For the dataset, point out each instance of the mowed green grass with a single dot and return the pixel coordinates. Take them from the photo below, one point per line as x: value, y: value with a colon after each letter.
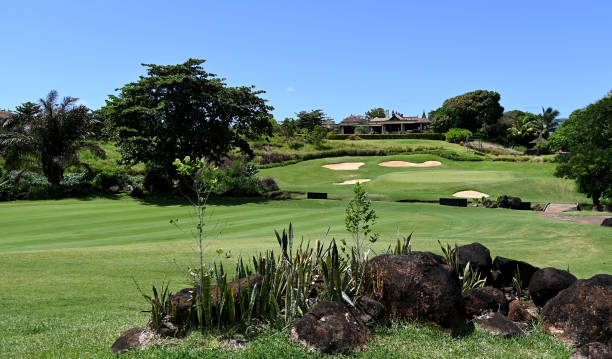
x: 67, y: 266
x: 531, y: 181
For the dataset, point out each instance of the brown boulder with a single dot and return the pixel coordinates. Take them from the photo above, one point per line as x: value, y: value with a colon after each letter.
x: 331, y: 327
x: 497, y: 323
x: 522, y: 311
x: 581, y: 313
x: 547, y: 282
x: 132, y: 338
x: 419, y: 286
x: 478, y: 301
x: 594, y: 350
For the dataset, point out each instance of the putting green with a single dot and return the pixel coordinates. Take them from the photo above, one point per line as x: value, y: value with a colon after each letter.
x: 532, y: 181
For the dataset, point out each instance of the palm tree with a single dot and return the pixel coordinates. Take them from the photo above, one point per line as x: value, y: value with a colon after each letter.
x: 48, y: 136
x: 548, y: 121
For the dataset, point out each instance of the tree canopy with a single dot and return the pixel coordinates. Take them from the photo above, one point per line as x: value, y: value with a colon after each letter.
x: 587, y: 135
x: 375, y: 112
x: 48, y: 136
x: 308, y: 120
x: 473, y: 111
x: 178, y: 110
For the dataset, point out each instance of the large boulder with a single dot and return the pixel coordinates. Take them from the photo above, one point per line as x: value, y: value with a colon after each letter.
x: 131, y: 339
x: 594, y: 350
x: 581, y: 313
x: 507, y: 269
x: 522, y: 311
x: 331, y: 327
x: 478, y: 256
x: 607, y: 222
x: 419, y: 286
x: 482, y: 300
x: 547, y: 282
x: 497, y: 323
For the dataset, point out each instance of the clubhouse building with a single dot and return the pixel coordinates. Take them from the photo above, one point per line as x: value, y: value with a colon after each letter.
x: 394, y: 124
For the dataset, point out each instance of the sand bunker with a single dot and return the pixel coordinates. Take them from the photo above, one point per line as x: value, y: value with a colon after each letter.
x: 345, y: 166
x: 364, y: 180
x: 470, y: 194
x: 410, y: 164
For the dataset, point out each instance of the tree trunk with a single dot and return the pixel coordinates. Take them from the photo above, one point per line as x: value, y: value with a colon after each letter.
x: 595, y: 195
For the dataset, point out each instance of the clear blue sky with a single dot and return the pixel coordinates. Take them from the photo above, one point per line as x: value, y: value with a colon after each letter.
x: 344, y: 57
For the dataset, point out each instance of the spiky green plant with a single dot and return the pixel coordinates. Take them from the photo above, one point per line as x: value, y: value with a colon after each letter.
x: 451, y: 255
x: 470, y: 278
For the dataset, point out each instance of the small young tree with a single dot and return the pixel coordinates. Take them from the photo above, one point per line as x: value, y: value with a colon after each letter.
x: 201, y: 178
x: 360, y: 218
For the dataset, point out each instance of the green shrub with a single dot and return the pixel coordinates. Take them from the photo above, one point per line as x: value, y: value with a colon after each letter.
x: 417, y: 136
x: 456, y: 135
x: 296, y: 145
x: 108, y: 178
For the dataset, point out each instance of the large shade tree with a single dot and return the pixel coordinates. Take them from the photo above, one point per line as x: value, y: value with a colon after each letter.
x: 587, y: 135
x: 308, y: 120
x: 179, y: 110
x: 48, y: 136
x: 473, y: 111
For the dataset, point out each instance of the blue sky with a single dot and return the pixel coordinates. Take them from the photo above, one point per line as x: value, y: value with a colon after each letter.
x: 344, y: 57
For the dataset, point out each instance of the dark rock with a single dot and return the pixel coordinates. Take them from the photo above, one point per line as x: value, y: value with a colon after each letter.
x: 478, y: 256
x: 331, y: 327
x: 489, y: 204
x: 482, y: 300
x: 507, y: 268
x: 522, y: 311
x: 113, y: 189
x: 132, y: 338
x: 547, y: 282
x: 419, y: 286
x: 373, y: 311
x: 509, y: 202
x: 607, y: 222
x: 594, y: 350
x: 581, y: 313
x: 497, y: 323
x: 137, y: 193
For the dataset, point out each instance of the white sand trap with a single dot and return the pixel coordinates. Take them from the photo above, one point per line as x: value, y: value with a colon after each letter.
x: 364, y: 180
x: 470, y: 194
x: 410, y: 164
x: 345, y: 166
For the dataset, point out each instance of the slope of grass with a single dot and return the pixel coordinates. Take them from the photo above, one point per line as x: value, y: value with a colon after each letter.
x: 531, y: 181
x: 67, y: 267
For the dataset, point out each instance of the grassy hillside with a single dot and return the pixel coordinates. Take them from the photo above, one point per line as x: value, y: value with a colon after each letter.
x: 67, y: 267
x: 531, y: 181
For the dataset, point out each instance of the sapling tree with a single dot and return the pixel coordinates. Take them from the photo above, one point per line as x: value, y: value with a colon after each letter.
x: 200, y: 177
x: 360, y: 218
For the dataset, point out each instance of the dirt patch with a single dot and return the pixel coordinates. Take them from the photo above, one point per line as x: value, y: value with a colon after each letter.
x: 470, y: 194
x: 410, y: 164
x: 345, y: 166
x: 361, y: 180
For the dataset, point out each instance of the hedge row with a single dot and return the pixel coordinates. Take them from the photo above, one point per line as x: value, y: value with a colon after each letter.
x: 414, y: 136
